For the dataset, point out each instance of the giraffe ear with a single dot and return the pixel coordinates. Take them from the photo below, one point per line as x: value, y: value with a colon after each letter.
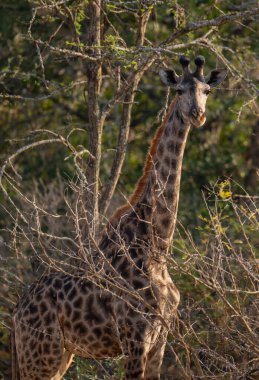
x: 216, y: 77
x: 168, y: 77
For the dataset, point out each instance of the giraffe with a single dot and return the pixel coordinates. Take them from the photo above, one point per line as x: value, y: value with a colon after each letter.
x: 125, y: 308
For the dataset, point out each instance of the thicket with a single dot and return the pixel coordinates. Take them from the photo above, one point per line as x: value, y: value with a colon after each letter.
x: 70, y: 92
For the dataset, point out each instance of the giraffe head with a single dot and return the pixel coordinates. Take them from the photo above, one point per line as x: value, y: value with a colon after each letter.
x: 192, y: 88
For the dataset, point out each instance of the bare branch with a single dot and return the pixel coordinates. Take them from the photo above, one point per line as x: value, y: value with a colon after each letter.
x: 216, y: 22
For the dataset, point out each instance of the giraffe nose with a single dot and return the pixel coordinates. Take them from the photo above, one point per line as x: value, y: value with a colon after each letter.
x: 196, y: 112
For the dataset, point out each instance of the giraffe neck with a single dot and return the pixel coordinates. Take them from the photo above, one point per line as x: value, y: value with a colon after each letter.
x: 161, y: 194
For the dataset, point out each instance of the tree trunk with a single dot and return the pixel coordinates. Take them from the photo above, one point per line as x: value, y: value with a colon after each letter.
x: 94, y: 127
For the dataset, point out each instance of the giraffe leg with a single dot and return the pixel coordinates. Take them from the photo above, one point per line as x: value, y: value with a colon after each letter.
x: 135, y: 363
x: 41, y: 355
x: 45, y: 367
x: 65, y: 364
x: 155, y: 359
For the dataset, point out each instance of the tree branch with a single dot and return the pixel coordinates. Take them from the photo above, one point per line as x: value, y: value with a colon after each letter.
x: 216, y: 22
x: 128, y: 101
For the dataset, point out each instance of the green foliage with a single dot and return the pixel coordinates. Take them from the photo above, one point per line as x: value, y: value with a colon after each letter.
x: 219, y: 151
x: 80, y: 17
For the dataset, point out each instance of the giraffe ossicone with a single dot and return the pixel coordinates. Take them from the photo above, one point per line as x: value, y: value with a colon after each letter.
x: 130, y: 308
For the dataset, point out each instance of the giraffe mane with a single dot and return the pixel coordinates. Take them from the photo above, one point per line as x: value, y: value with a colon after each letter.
x: 140, y: 186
